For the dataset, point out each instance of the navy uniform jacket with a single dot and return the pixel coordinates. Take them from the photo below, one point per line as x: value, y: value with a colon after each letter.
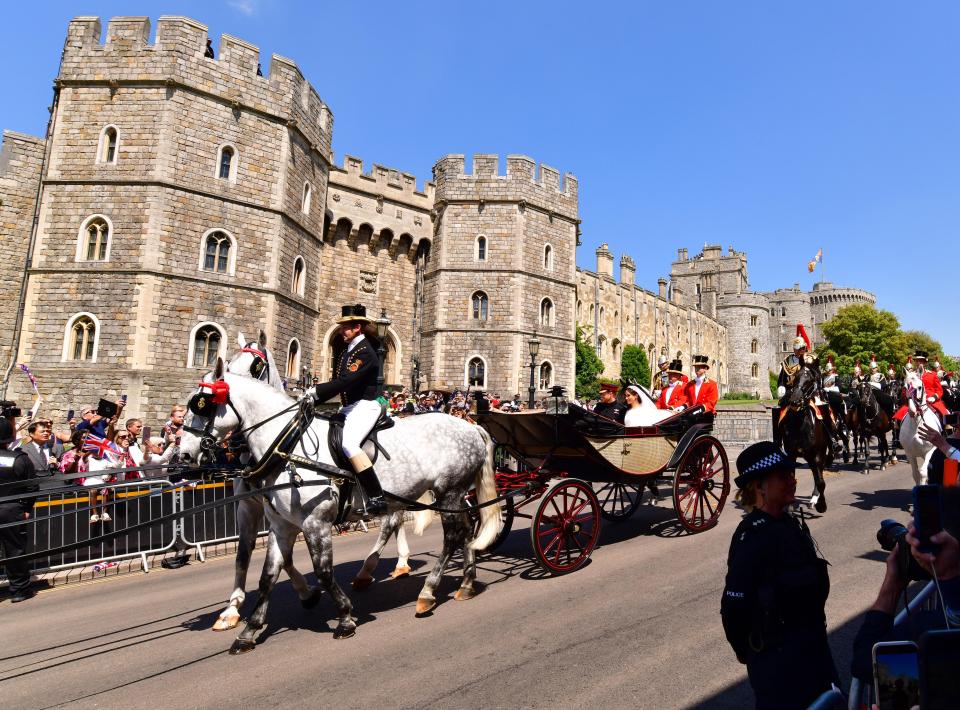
x: 615, y: 411
x: 355, y: 376
x: 16, y: 466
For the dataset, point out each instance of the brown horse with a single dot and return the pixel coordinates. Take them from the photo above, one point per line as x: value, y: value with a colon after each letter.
x: 804, y: 434
x: 875, y: 421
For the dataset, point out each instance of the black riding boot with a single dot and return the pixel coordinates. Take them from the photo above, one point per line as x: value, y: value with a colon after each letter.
x: 834, y: 435
x: 376, y: 505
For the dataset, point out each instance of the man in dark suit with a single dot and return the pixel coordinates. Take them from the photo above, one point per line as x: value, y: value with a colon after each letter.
x: 355, y: 380
x: 40, y: 450
x: 15, y: 466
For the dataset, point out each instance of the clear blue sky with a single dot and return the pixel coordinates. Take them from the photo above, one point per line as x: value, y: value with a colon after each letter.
x: 774, y: 127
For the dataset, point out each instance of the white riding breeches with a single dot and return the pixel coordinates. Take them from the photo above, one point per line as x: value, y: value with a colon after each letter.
x: 361, y: 417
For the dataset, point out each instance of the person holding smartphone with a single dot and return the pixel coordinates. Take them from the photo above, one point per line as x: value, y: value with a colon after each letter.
x: 776, y: 587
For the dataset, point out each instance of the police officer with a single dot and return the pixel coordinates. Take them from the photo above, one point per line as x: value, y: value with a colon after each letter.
x: 355, y: 380
x: 776, y: 587
x: 609, y: 406
x: 15, y: 466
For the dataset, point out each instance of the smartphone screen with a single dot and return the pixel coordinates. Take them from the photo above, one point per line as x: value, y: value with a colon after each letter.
x: 70, y: 415
x: 926, y: 515
x: 939, y: 659
x: 145, y: 437
x: 896, y: 675
x: 123, y: 398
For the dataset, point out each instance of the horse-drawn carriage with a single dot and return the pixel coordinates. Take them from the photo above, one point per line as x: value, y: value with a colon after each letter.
x: 578, y: 467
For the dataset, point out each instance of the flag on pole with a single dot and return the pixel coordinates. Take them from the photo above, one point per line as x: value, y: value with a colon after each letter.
x: 816, y: 260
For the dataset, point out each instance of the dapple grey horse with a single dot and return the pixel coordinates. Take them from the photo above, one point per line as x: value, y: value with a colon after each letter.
x: 256, y: 360
x: 432, y: 452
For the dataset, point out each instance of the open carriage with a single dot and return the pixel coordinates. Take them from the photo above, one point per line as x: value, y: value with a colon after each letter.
x: 602, y: 469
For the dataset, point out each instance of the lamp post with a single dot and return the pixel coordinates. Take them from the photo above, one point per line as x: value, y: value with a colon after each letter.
x: 383, y: 325
x: 534, y: 345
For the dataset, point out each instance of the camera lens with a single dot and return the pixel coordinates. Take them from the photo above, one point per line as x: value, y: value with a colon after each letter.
x: 890, y: 533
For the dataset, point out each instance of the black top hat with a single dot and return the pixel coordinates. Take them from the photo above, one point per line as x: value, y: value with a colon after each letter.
x: 356, y: 313
x: 759, y: 459
x: 701, y: 361
x: 920, y: 355
x: 676, y: 366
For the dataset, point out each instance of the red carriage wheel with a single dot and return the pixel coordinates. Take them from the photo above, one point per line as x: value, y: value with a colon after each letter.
x: 619, y: 500
x: 701, y: 484
x: 565, y: 526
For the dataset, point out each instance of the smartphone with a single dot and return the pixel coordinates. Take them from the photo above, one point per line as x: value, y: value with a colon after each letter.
x: 939, y: 680
x: 145, y: 437
x: 123, y: 398
x: 896, y: 675
x: 70, y: 414
x: 927, y: 515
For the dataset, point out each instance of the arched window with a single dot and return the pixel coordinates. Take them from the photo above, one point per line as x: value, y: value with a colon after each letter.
x: 107, y: 149
x: 206, y: 345
x: 591, y: 314
x: 93, y: 242
x: 579, y: 310
x: 773, y: 311
x: 548, y: 257
x: 293, y: 360
x: 546, y: 312
x: 754, y: 346
x: 546, y: 375
x: 305, y: 202
x: 754, y: 370
x: 81, y: 338
x: 478, y: 304
x: 299, y: 276
x: 476, y: 374
x: 754, y: 320
x: 616, y: 351
x: 783, y: 311
x: 480, y: 252
x: 602, y: 347
x: 218, y: 253
x: 227, y: 162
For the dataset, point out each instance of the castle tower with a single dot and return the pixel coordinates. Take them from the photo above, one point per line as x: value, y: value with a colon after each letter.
x: 182, y: 201
x: 502, y: 269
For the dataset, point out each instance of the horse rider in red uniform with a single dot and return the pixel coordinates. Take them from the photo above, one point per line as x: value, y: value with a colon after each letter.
x: 355, y: 380
x: 674, y: 394
x: 701, y: 390
x: 932, y: 388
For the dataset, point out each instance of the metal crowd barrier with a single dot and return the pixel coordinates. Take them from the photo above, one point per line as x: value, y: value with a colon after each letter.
x: 211, y: 526
x: 64, y: 518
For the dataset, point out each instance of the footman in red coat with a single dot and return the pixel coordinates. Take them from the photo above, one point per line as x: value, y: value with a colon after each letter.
x: 674, y: 395
x: 702, y: 390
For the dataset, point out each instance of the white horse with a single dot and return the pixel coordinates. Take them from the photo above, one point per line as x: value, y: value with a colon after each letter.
x: 432, y: 452
x: 256, y: 360
x: 918, y: 410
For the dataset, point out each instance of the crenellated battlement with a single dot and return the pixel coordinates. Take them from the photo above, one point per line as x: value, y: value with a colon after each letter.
x: 522, y: 182
x: 176, y: 59
x: 389, y: 183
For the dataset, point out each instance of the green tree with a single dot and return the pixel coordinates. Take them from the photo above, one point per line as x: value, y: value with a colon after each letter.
x: 635, y: 366
x: 589, y: 366
x: 860, y: 330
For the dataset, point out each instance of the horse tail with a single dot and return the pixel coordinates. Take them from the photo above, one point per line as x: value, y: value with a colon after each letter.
x: 423, y: 518
x: 486, y: 486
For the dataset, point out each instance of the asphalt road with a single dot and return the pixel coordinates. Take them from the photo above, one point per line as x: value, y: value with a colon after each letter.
x: 638, y: 627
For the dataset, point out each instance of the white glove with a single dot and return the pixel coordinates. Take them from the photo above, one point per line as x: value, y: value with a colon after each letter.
x: 781, y: 390
x: 931, y: 399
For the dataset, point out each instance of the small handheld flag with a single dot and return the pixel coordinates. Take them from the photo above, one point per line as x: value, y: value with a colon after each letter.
x: 100, y: 448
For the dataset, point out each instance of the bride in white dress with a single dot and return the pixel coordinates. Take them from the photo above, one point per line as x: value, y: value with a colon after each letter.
x: 642, y: 409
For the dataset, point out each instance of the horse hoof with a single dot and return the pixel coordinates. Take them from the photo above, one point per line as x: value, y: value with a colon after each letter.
x: 344, y: 630
x: 311, y: 601
x: 400, y: 572
x: 464, y: 593
x: 242, y: 646
x: 361, y: 583
x: 821, y: 505
x: 225, y: 623
x: 425, y: 606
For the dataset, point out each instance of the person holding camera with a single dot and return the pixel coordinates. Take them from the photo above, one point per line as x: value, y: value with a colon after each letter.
x: 776, y: 587
x: 16, y: 472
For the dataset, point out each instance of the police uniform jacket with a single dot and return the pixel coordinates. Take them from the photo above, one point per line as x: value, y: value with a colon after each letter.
x: 615, y: 411
x: 355, y: 376
x: 15, y: 466
x: 776, y: 585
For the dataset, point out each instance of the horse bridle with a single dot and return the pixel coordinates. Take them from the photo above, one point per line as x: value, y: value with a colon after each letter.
x: 201, y: 404
x: 258, y: 368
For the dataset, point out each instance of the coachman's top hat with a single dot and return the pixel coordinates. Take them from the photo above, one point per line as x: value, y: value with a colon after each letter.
x: 356, y: 313
x: 920, y: 355
x: 701, y: 361
x: 676, y: 367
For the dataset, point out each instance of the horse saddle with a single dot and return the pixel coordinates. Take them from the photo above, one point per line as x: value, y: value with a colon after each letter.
x: 371, y: 445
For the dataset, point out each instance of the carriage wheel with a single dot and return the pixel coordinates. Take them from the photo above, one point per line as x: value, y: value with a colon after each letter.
x: 701, y: 485
x: 506, y: 521
x: 619, y: 500
x: 565, y: 526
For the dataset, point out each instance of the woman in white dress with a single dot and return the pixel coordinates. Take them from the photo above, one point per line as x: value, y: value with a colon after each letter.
x: 642, y: 411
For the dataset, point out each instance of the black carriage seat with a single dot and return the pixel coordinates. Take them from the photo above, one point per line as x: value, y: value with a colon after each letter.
x: 335, y: 437
x: 592, y: 424
x: 681, y: 421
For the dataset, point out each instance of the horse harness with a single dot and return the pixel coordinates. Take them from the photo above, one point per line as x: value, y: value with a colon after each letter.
x: 258, y: 368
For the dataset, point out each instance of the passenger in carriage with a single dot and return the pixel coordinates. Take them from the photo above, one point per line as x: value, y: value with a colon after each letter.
x: 701, y: 390
x: 608, y: 406
x: 674, y: 396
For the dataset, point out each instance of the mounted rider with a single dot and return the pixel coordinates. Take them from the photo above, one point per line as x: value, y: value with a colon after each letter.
x: 858, y: 375
x: 831, y: 388
x: 876, y: 381
x: 790, y: 369
x: 931, y: 386
x: 355, y: 380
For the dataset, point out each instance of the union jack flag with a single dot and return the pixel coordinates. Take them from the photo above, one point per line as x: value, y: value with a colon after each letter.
x: 101, y: 447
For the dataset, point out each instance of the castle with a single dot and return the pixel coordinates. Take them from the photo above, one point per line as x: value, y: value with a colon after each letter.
x: 178, y: 199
